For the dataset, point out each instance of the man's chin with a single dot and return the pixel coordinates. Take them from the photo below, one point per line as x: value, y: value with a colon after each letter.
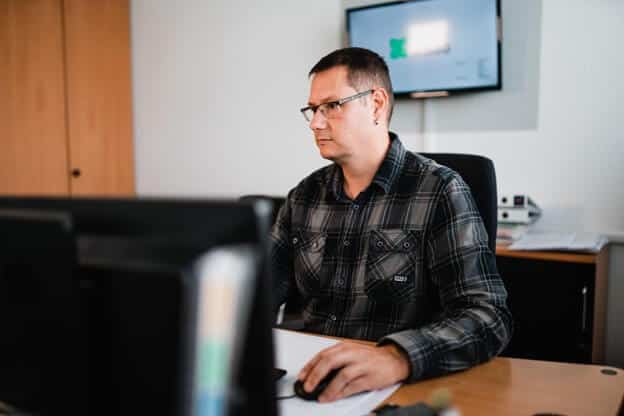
x: 327, y: 155
x: 331, y: 157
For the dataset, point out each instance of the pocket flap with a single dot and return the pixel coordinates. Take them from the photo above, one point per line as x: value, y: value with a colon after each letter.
x: 309, y: 241
x: 394, y: 240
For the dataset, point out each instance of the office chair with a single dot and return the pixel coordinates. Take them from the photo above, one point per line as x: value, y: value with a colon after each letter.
x: 477, y: 171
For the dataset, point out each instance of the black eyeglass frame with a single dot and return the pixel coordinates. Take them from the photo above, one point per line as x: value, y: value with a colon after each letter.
x: 336, y: 103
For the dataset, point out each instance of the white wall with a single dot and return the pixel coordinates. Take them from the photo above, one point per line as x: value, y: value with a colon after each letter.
x: 217, y: 88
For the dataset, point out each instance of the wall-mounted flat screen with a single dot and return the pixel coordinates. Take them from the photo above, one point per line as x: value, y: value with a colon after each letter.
x: 433, y: 45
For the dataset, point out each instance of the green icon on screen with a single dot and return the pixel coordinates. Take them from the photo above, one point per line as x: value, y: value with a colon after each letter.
x: 397, y: 48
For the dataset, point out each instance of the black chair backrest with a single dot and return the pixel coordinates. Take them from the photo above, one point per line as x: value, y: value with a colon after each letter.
x: 479, y: 173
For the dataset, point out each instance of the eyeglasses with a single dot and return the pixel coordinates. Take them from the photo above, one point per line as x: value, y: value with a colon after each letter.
x: 332, y: 108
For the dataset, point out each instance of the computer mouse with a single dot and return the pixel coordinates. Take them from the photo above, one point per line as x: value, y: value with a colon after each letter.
x: 320, y: 387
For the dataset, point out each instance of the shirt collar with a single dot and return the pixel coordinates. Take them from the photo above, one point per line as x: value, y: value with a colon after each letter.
x: 390, y: 168
x: 386, y: 175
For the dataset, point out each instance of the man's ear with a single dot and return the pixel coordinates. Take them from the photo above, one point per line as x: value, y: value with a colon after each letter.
x: 381, y: 102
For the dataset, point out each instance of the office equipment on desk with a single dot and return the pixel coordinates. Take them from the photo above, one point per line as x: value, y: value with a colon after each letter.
x: 440, y: 405
x: 278, y: 373
x: 293, y: 350
x: 135, y: 272
x: 301, y: 392
x: 517, y: 209
x: 516, y: 201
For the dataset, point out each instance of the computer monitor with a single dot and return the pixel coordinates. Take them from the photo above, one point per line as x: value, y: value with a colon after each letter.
x: 40, y: 344
x: 138, y: 274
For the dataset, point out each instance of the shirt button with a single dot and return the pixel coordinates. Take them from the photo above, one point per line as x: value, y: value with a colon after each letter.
x: 295, y: 240
x: 332, y: 317
x: 341, y: 282
x: 355, y: 206
x: 347, y: 243
x: 379, y: 243
x: 406, y: 245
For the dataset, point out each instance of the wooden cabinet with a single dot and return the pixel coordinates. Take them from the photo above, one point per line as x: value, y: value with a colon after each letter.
x: 65, y: 98
x: 558, y: 301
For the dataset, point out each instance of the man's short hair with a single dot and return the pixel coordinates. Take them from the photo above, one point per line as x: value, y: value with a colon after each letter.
x: 365, y: 69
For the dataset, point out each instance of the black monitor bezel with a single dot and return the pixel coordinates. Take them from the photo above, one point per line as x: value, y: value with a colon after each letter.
x: 46, y: 352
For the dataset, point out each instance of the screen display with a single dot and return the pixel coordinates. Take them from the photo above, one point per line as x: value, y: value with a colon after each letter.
x: 432, y: 45
x: 225, y: 280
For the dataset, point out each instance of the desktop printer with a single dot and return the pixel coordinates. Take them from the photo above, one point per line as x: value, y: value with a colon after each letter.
x: 517, y: 209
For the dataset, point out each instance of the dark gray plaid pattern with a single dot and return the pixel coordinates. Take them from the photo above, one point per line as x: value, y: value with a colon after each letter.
x: 406, y: 262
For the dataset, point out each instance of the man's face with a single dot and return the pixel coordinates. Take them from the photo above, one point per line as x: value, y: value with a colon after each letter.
x: 343, y: 135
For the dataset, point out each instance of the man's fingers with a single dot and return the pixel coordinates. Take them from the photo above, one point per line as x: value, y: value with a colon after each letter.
x: 309, y: 366
x: 305, y: 371
x: 347, y: 375
x: 330, y: 359
x: 358, y: 385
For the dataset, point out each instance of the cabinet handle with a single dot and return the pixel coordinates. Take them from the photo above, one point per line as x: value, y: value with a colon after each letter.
x: 76, y: 173
x: 584, y: 313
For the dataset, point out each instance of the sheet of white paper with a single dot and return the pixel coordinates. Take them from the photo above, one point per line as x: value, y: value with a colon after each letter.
x: 560, y: 241
x: 293, y: 350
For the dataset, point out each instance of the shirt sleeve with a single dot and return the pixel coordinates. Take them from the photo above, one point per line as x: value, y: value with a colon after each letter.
x: 475, y: 323
x: 280, y: 256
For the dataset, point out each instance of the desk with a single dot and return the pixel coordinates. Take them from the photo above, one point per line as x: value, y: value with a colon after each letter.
x: 514, y: 386
x: 559, y: 303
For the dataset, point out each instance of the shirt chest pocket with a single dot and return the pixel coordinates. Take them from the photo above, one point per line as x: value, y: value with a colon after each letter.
x: 394, y: 265
x: 308, y: 250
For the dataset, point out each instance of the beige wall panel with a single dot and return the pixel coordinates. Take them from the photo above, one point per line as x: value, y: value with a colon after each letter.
x: 97, y: 41
x: 33, y: 149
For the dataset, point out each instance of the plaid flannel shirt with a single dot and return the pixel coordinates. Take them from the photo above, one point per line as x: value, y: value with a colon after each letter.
x: 406, y: 262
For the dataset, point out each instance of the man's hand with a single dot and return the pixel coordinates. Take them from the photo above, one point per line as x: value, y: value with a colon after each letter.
x: 363, y: 368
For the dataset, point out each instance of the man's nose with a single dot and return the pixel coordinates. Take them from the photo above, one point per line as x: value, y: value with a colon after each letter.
x: 318, y: 121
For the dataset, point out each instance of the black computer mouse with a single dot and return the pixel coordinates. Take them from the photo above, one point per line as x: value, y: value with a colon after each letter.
x: 320, y: 387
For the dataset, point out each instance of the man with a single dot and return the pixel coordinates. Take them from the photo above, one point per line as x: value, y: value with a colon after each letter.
x: 383, y: 245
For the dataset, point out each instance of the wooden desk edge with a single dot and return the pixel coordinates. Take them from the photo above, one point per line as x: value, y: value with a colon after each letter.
x: 586, y: 258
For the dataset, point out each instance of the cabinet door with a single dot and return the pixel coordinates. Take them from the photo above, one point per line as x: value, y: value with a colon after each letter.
x: 552, y: 306
x: 97, y: 42
x: 33, y: 139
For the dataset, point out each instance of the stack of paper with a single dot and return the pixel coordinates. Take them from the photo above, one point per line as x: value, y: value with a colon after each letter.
x: 508, y: 233
x: 589, y: 242
x: 294, y: 350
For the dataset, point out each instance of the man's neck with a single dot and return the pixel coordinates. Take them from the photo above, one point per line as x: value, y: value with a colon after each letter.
x: 359, y: 172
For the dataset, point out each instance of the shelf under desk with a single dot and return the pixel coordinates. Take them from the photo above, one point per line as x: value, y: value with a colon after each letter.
x: 577, y: 285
